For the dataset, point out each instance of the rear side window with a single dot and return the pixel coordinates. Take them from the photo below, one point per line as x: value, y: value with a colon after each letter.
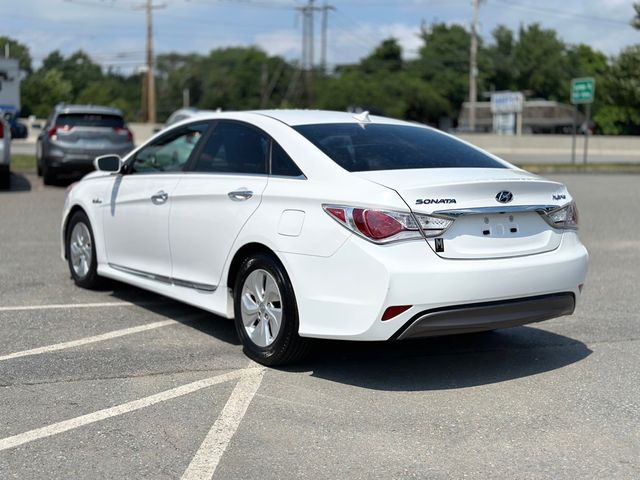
x: 234, y: 148
x: 362, y: 148
x: 281, y: 163
x: 90, y: 120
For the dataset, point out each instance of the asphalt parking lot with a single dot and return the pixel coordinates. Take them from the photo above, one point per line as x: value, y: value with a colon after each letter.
x: 121, y: 383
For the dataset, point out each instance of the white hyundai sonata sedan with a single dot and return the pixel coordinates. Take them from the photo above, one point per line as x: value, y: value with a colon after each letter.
x: 314, y: 224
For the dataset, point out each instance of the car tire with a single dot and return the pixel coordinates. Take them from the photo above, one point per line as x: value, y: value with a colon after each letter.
x: 5, y: 177
x: 39, y: 159
x: 49, y: 176
x: 263, y: 290
x: 80, y: 251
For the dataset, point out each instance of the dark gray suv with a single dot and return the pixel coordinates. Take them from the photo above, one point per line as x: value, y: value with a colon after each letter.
x: 75, y: 135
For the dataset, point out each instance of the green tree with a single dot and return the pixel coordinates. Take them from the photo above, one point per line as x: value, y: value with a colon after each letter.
x: 398, y: 95
x: 114, y: 91
x: 584, y: 61
x: 43, y: 90
x: 501, y: 59
x: 620, y: 92
x: 540, y: 63
x: 387, y: 57
x: 229, y: 78
x: 17, y: 50
x: 444, y: 62
x: 636, y: 18
x: 77, y: 68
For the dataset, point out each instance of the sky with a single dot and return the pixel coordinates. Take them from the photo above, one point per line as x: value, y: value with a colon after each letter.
x: 113, y: 31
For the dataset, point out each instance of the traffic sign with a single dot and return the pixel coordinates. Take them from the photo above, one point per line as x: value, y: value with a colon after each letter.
x: 507, y: 102
x: 583, y: 90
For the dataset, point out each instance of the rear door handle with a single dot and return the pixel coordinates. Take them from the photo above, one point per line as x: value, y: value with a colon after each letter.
x: 240, y: 195
x: 160, y: 197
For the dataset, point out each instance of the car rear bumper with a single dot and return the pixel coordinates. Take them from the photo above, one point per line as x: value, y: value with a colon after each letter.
x: 79, y: 160
x: 487, y: 316
x: 345, y: 296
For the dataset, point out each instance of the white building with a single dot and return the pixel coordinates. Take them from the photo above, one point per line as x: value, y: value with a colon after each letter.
x: 10, y: 78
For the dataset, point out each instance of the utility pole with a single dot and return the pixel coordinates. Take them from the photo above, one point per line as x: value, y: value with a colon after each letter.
x: 151, y: 84
x: 325, y: 24
x: 308, y: 42
x: 307, y: 48
x: 149, y: 90
x: 311, y: 40
x: 310, y: 60
x: 473, y: 66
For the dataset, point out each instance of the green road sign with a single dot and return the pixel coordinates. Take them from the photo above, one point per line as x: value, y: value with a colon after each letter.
x: 583, y: 90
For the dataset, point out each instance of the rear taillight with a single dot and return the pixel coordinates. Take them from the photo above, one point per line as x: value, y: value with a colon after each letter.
x: 53, y: 131
x: 1, y: 129
x: 124, y: 131
x: 565, y: 217
x: 385, y: 226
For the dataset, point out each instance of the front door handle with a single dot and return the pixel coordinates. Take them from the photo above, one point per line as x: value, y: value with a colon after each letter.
x: 160, y: 197
x: 240, y: 195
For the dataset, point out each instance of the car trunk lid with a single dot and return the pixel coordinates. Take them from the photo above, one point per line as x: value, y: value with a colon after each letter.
x: 91, y: 131
x: 484, y: 227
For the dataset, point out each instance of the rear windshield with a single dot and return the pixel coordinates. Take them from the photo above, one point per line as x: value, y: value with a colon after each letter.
x: 362, y: 148
x: 90, y: 120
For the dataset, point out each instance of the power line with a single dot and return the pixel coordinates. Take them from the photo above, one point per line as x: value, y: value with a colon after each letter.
x: 553, y: 11
x: 247, y: 3
x: 111, y: 6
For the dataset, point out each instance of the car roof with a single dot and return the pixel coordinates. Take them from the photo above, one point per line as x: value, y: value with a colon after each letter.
x: 97, y: 109
x: 313, y: 117
x: 295, y: 118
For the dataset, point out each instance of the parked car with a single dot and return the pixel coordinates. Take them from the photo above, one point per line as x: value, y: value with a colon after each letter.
x: 5, y: 153
x: 311, y: 224
x: 75, y: 135
x: 18, y: 129
x: 180, y: 115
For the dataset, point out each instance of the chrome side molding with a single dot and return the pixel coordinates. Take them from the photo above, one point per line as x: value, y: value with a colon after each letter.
x: 164, y: 279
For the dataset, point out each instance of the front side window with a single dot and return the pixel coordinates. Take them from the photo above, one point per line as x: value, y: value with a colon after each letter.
x: 171, y: 152
x: 362, y: 148
x: 234, y: 147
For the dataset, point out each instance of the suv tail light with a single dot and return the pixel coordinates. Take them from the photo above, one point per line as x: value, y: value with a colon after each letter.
x: 53, y: 131
x: 565, y: 217
x: 1, y: 129
x: 385, y: 226
x: 124, y: 131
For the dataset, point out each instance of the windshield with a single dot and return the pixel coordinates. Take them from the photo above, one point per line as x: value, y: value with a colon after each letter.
x: 90, y: 120
x: 361, y: 148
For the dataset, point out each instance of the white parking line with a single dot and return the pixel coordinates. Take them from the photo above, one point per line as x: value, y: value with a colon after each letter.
x: 204, y: 463
x: 84, y: 341
x: 66, y: 425
x: 19, y: 308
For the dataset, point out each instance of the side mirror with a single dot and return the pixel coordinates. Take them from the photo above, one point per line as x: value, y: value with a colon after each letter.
x: 108, y: 163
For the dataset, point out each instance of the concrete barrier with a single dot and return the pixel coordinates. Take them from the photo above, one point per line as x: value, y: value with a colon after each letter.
x: 143, y: 131
x: 518, y: 149
x: 553, y: 145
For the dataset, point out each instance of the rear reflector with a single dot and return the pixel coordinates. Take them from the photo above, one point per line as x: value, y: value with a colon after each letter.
x: 394, y: 311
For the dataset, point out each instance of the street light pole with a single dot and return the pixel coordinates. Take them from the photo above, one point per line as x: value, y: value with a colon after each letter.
x: 151, y: 84
x: 473, y: 66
